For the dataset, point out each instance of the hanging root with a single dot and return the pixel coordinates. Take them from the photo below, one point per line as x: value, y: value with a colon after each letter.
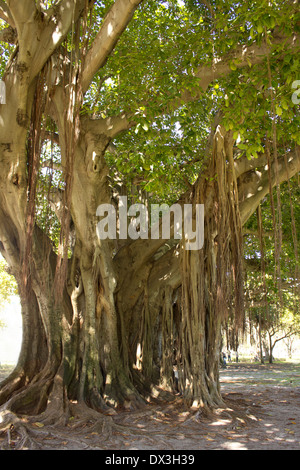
x: 212, y: 278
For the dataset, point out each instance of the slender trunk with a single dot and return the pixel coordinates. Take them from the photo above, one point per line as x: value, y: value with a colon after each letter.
x: 271, y: 347
x: 260, y: 340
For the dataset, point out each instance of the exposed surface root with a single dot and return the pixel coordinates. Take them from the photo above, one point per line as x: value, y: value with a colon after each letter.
x: 250, y: 411
x: 17, y: 433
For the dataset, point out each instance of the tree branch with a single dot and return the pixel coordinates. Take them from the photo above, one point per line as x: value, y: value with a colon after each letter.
x: 22, y: 11
x: 243, y: 165
x: 209, y: 7
x: 111, y: 29
x: 54, y: 30
x: 6, y: 15
x: 221, y: 67
x: 255, y: 189
x: 110, y: 126
x: 206, y: 74
x: 140, y: 251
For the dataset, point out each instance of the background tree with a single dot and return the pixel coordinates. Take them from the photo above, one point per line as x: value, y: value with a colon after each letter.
x: 272, y: 302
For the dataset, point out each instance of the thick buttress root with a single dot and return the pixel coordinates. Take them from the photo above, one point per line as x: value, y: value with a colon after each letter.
x: 31, y: 433
x: 15, y: 433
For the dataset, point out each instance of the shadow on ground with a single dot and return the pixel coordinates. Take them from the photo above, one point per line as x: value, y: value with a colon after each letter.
x: 262, y: 413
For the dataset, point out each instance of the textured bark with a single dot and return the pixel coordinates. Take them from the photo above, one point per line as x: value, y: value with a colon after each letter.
x: 114, y: 306
x: 127, y: 313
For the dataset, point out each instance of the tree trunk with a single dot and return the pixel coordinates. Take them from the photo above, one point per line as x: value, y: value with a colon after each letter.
x: 271, y: 348
x: 260, y: 340
x: 109, y: 307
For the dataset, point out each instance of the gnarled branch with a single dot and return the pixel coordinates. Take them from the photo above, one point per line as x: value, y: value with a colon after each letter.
x: 256, y: 187
x: 22, y: 11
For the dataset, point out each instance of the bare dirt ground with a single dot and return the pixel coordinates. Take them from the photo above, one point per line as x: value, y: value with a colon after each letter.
x: 262, y: 413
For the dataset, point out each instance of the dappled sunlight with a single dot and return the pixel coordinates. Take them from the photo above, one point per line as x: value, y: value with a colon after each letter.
x: 266, y: 419
x: 258, y: 374
x: 233, y: 446
x: 165, y: 277
x: 56, y: 36
x: 110, y: 29
x: 221, y: 422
